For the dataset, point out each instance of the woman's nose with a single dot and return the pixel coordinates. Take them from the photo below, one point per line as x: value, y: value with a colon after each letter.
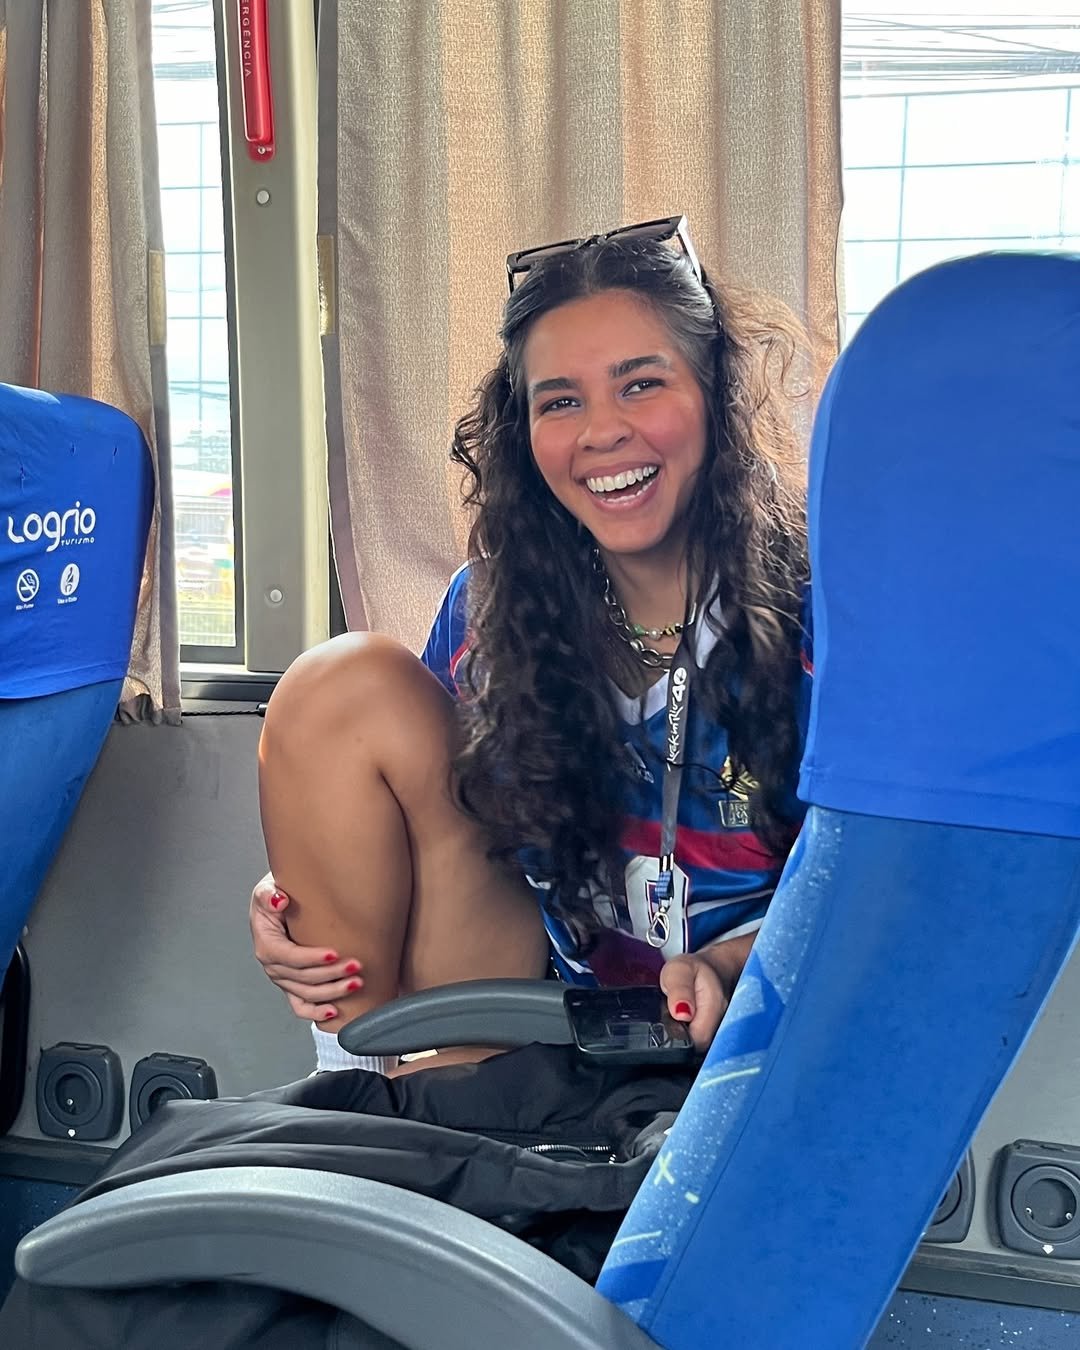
x: 605, y: 427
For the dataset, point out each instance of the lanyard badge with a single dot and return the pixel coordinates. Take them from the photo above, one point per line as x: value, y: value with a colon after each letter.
x: 678, y: 710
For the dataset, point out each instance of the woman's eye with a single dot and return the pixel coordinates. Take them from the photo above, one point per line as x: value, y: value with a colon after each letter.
x: 642, y: 385
x: 555, y: 405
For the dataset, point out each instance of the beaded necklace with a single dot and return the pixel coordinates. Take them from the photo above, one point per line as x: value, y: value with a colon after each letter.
x: 633, y: 634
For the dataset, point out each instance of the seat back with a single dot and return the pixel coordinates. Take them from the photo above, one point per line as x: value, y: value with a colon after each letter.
x: 76, y: 495
x: 934, y: 894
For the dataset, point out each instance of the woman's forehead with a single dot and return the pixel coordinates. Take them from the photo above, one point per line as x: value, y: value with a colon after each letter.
x: 602, y: 329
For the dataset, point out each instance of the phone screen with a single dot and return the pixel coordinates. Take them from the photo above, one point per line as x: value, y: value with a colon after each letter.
x: 630, y: 1025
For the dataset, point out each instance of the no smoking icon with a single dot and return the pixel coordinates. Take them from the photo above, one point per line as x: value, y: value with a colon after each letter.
x: 27, y: 585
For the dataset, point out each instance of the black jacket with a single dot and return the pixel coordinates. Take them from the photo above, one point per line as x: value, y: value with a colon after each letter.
x: 537, y: 1141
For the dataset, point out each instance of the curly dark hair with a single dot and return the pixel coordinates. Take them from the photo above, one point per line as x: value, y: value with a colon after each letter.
x: 540, y: 760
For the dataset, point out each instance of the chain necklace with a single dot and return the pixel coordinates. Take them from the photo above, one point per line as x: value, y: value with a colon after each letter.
x: 633, y: 633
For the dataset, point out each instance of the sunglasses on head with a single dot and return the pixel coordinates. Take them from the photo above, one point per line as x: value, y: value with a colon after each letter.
x: 672, y: 227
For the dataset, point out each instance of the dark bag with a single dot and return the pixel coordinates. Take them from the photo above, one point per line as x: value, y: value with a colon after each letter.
x: 537, y: 1141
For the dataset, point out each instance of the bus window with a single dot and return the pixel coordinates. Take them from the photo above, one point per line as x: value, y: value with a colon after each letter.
x: 959, y: 136
x: 200, y: 403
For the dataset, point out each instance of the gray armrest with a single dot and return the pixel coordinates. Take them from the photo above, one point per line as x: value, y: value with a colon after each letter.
x: 422, y: 1273
x: 476, y: 1012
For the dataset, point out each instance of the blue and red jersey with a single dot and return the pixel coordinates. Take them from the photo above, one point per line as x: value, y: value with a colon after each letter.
x: 724, y: 875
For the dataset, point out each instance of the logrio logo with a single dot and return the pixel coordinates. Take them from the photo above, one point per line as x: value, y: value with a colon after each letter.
x: 68, y: 527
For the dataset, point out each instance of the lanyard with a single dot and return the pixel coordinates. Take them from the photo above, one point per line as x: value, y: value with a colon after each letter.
x: 678, y: 710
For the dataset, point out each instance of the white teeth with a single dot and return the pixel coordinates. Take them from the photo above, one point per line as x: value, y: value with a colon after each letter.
x: 622, y: 480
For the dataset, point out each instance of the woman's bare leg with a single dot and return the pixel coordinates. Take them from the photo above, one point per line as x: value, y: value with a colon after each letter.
x: 363, y: 835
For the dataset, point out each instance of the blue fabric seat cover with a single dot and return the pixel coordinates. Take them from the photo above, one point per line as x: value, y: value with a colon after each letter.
x: 76, y: 493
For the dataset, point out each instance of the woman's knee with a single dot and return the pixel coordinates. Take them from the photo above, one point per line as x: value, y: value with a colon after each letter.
x: 359, y: 688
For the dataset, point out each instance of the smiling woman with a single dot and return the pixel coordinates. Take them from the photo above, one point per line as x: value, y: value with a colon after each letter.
x: 639, y: 531
x: 622, y: 448
x: 719, y: 534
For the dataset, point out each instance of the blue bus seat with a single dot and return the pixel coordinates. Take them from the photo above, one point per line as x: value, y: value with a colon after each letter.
x: 934, y: 894
x: 76, y: 495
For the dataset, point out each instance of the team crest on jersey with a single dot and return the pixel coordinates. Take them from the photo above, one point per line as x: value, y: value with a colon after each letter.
x: 735, y: 804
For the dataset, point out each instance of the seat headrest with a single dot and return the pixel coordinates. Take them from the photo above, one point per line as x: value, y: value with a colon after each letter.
x: 76, y: 492
x: 944, y: 509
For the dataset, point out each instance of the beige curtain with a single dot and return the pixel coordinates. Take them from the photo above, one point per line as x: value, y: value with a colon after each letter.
x: 454, y: 131
x: 81, y: 284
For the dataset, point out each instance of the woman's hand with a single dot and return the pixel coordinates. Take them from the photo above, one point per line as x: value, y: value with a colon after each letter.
x: 311, y: 978
x: 699, y: 986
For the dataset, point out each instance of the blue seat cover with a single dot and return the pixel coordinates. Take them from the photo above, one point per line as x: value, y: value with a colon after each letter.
x: 74, y: 506
x: 76, y: 493
x: 945, y: 490
x: 934, y: 893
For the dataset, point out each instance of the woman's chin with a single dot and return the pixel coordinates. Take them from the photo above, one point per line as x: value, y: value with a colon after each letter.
x: 629, y: 543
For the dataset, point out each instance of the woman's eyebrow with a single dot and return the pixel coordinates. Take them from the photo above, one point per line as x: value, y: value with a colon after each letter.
x: 617, y: 372
x: 543, y: 386
x: 623, y: 368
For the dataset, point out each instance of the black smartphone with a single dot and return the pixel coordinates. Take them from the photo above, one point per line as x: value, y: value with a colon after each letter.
x: 627, y: 1026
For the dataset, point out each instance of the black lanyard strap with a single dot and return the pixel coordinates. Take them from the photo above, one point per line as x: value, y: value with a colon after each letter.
x: 680, y: 676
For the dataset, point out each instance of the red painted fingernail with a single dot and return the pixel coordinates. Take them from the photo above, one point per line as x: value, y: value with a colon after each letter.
x: 330, y: 1012
x: 683, y: 1009
x: 353, y: 986
x: 277, y: 900
x: 353, y: 968
x: 329, y: 957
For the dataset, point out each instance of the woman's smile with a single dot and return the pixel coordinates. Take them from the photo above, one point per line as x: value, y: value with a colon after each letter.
x: 623, y: 489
